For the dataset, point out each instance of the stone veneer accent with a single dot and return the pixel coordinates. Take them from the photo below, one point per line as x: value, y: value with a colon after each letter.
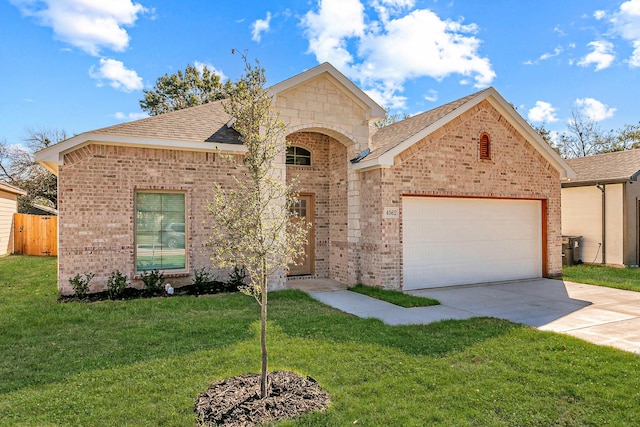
x: 326, y: 178
x: 446, y: 163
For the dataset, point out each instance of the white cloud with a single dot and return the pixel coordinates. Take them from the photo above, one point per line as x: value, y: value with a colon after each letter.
x: 130, y: 116
x: 431, y: 96
x: 626, y: 23
x: 387, y: 8
x: 602, y: 55
x: 599, y: 14
x: 260, y: 26
x: 118, y: 75
x: 200, y: 67
x: 397, y: 46
x: 634, y: 61
x: 329, y: 29
x: 557, y: 51
x: 547, y: 55
x: 594, y: 109
x: 543, y: 112
x: 90, y: 25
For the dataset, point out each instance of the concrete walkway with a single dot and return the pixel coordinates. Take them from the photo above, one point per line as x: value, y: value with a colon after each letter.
x: 596, y: 314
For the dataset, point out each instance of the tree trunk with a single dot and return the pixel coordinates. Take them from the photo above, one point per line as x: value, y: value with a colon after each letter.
x: 263, y: 333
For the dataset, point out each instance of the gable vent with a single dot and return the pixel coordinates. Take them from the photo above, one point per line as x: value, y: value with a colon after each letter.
x: 485, y: 146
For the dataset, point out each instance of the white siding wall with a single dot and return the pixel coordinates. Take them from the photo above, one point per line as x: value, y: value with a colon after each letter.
x: 615, y: 224
x: 582, y: 216
x: 8, y: 206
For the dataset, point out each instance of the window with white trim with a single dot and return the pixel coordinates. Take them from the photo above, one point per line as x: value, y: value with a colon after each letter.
x: 160, y: 231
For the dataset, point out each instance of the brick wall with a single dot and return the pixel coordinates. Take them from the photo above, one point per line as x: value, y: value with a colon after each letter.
x: 447, y: 163
x: 97, y: 184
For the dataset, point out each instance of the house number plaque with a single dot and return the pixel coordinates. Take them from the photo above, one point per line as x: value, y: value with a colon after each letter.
x: 391, y: 213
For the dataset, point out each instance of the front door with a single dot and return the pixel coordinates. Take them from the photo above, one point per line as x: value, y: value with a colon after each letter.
x: 304, y: 264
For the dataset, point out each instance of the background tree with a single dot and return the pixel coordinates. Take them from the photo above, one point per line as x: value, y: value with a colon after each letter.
x: 252, y: 220
x: 184, y: 89
x: 18, y: 168
x: 390, y: 119
x: 627, y: 138
x: 583, y: 137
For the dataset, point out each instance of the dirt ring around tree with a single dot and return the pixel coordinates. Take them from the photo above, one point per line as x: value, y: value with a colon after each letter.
x: 236, y: 401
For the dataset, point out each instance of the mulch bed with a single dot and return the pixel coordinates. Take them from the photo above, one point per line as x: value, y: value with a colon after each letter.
x: 236, y: 401
x: 135, y: 293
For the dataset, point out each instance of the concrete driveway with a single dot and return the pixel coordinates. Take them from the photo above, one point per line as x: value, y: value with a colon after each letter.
x: 596, y: 314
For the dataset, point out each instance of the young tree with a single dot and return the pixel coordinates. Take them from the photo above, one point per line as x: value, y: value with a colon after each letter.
x: 18, y: 168
x: 252, y: 223
x: 184, y: 89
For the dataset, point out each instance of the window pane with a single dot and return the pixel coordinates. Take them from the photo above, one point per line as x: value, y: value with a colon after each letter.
x: 298, y: 156
x: 160, y: 231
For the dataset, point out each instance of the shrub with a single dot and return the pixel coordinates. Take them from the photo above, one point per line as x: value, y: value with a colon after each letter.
x: 201, y: 280
x: 116, y: 284
x: 153, y: 281
x: 236, y: 279
x: 80, y: 284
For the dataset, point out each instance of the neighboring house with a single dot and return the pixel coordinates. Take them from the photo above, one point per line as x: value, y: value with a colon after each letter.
x: 603, y: 206
x: 37, y: 209
x: 8, y: 207
x: 465, y: 193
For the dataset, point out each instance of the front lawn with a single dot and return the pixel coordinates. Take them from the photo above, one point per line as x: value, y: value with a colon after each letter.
x: 143, y: 362
x: 601, y: 275
x: 394, y: 297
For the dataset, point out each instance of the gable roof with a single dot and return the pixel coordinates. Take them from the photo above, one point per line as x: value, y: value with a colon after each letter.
x: 392, y: 140
x: 374, y: 109
x: 620, y: 166
x: 203, y: 127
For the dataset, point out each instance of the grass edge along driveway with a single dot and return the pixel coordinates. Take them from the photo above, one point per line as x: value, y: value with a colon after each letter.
x: 142, y: 362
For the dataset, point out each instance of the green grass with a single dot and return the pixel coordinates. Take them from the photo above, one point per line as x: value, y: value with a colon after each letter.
x: 394, y: 297
x: 612, y: 277
x: 143, y: 362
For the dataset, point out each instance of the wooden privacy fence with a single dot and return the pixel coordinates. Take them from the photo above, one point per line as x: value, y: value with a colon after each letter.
x: 35, y: 235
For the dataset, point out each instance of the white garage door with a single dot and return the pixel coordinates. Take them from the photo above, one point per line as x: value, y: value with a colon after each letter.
x: 454, y: 241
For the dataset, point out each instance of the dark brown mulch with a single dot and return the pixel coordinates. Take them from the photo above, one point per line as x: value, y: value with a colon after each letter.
x: 135, y: 293
x: 236, y: 401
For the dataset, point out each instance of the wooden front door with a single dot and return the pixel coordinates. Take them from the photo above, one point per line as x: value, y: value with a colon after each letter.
x: 304, y: 265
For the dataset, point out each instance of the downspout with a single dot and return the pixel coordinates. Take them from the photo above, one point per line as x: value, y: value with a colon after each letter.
x: 602, y: 188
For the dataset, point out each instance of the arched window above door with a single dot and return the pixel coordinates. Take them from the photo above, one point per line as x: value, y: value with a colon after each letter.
x: 298, y: 156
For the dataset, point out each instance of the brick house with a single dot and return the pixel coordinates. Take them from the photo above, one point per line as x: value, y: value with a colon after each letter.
x: 465, y: 193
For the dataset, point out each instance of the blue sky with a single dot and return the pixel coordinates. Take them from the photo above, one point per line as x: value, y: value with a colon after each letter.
x: 78, y: 65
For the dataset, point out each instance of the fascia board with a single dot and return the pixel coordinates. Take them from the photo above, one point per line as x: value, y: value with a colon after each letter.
x: 516, y: 120
x: 11, y: 189
x: 386, y: 159
x: 505, y: 109
x: 52, y: 157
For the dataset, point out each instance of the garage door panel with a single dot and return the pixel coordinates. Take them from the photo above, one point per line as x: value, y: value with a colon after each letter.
x: 460, y: 241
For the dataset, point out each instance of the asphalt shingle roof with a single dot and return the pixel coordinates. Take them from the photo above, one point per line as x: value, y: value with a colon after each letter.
x: 621, y: 165
x: 388, y: 137
x: 202, y: 123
